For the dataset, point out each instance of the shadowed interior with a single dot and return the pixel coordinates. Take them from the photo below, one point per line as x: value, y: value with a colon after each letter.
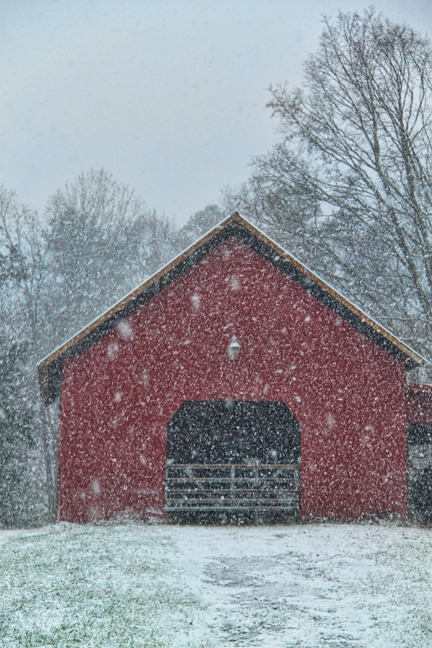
x: 221, y: 432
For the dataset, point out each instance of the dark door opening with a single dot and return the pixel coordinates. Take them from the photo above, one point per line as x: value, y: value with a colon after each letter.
x: 237, y: 457
x: 212, y: 432
x: 420, y: 470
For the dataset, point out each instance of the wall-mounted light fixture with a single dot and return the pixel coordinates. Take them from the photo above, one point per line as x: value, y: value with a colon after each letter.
x: 234, y: 348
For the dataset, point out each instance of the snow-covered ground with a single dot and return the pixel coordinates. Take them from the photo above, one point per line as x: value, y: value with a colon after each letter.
x: 136, y: 585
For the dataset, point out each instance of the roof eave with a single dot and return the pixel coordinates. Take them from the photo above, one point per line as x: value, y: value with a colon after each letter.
x: 120, y: 308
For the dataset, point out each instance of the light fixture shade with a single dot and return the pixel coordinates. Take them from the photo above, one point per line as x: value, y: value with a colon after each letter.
x: 234, y: 348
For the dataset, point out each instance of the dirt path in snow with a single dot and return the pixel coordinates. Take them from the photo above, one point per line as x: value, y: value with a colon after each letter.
x: 343, y: 586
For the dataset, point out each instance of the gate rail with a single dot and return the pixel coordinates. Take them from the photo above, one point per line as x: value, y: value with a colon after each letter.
x: 232, y: 487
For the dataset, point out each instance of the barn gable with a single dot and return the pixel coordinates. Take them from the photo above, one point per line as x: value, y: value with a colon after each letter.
x: 50, y: 368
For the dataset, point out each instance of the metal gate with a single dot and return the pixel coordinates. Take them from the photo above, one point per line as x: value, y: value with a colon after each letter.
x: 237, y: 457
x: 232, y: 488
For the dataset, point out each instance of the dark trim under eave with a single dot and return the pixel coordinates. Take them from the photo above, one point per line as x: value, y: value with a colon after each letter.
x: 51, y: 373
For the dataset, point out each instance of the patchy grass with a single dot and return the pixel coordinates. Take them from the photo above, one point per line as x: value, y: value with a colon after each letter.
x: 297, y: 586
x: 98, y: 586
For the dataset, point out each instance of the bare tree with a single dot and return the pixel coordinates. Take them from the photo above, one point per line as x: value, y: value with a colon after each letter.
x: 21, y: 436
x: 357, y: 138
x: 101, y: 241
x: 198, y: 224
x: 275, y: 199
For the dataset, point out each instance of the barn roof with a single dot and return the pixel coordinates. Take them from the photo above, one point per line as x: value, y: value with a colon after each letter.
x: 416, y: 388
x: 50, y: 368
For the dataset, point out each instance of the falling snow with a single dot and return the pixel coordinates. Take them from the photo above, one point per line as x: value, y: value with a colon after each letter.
x: 308, y: 586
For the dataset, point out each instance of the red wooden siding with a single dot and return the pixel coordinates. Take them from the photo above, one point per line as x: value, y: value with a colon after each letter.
x: 347, y: 393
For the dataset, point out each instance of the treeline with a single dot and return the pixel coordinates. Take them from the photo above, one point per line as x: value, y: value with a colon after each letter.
x: 95, y: 241
x: 347, y: 189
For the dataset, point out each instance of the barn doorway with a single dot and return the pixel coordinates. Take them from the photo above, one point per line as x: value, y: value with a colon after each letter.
x: 235, y: 459
x: 420, y: 470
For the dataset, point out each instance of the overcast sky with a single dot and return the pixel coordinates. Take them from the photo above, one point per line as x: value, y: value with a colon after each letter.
x: 168, y: 95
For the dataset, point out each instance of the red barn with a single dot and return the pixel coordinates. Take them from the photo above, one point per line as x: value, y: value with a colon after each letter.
x: 233, y: 380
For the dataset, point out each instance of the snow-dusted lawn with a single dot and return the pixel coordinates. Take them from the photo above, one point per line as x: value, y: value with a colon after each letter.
x: 156, y: 585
